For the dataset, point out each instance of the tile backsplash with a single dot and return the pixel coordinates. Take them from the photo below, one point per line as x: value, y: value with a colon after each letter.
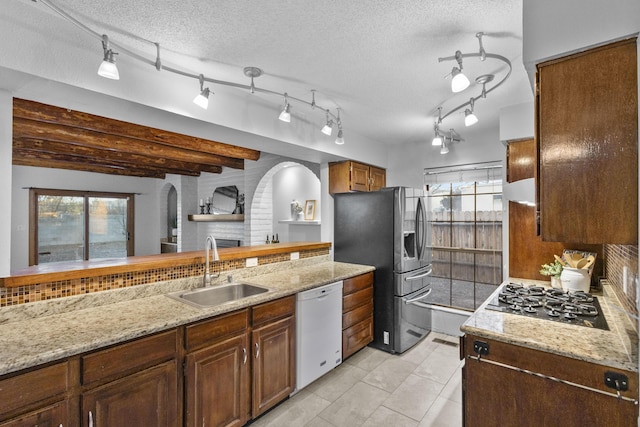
x: 65, y: 288
x: 621, y: 271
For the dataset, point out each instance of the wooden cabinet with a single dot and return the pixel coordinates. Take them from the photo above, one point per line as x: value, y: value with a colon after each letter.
x: 217, y: 371
x: 274, y: 353
x: 240, y: 364
x: 521, y: 159
x: 38, y: 397
x: 357, y: 313
x: 513, y: 385
x: 587, y: 146
x: 145, y: 398
x: 135, y: 383
x: 353, y: 176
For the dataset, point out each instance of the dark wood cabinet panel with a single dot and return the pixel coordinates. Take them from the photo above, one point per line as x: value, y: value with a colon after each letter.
x: 148, y: 398
x: 50, y: 416
x: 357, y: 313
x: 129, y: 357
x: 498, y: 395
x: 587, y: 146
x: 357, y: 336
x: 521, y: 159
x: 353, y: 176
x: 205, y: 333
x: 274, y: 368
x: 217, y: 384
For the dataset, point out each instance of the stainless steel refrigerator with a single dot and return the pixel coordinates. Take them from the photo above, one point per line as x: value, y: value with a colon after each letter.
x: 388, y: 229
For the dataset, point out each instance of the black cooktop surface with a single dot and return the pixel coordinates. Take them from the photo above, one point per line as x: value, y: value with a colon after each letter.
x: 575, y: 308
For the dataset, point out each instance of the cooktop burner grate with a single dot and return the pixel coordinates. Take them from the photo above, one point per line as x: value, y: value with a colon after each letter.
x: 575, y: 308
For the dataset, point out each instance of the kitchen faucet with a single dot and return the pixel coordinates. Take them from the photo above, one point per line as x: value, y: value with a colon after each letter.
x: 210, y: 243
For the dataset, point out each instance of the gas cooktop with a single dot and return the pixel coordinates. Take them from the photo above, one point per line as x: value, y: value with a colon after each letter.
x: 571, y: 307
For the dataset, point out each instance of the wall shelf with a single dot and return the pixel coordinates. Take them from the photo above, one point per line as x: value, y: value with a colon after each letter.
x: 216, y: 218
x: 288, y: 221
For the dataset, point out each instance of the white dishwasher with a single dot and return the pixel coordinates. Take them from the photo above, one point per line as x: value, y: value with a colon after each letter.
x: 318, y: 332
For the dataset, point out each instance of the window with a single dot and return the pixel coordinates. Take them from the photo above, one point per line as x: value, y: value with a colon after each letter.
x: 466, y: 229
x: 67, y: 225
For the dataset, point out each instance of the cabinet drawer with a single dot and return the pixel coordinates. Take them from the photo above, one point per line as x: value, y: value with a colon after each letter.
x: 273, y: 310
x: 357, y: 283
x: 126, y: 358
x: 356, y: 337
x: 23, y: 390
x: 357, y: 315
x: 204, y: 333
x: 351, y: 301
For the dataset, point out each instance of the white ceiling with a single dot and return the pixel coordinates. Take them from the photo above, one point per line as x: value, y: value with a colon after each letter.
x: 376, y: 60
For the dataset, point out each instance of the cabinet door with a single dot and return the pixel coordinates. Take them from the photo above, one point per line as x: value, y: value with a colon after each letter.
x: 147, y: 398
x: 217, y: 384
x: 359, y: 177
x: 588, y: 146
x: 273, y: 364
x: 521, y: 159
x: 378, y: 178
x: 52, y: 416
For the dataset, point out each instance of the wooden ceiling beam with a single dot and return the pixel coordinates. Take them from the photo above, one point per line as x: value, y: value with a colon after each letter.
x: 95, y: 155
x: 92, y: 161
x: 26, y: 128
x: 58, y: 164
x: 56, y: 115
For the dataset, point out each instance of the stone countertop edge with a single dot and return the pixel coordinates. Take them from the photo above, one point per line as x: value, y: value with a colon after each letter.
x: 615, y: 348
x: 44, y: 338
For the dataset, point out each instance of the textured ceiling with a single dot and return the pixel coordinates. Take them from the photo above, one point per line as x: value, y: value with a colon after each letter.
x: 377, y: 60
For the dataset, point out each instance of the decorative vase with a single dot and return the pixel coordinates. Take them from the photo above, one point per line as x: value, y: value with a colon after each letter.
x: 294, y: 212
x: 299, y: 216
x: 556, y: 282
x: 575, y: 279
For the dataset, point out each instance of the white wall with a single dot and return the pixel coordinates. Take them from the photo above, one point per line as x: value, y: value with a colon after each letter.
x: 295, y: 183
x: 6, y: 229
x: 147, y: 217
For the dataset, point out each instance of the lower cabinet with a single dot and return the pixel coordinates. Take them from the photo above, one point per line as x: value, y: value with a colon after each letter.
x: 240, y: 365
x: 146, y: 398
x: 513, y: 385
x: 357, y: 313
x: 274, y: 346
x: 54, y: 415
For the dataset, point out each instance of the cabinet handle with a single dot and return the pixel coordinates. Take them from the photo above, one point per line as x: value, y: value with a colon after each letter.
x: 257, y: 350
x: 90, y: 419
x: 244, y: 353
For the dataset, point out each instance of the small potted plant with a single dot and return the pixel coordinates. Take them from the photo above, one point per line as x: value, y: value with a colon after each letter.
x: 554, y: 270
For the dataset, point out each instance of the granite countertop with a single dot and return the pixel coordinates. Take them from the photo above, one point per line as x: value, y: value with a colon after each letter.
x: 616, y: 348
x: 47, y: 331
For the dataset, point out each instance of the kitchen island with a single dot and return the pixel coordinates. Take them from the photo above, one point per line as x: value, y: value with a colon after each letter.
x: 531, y: 371
x: 133, y: 353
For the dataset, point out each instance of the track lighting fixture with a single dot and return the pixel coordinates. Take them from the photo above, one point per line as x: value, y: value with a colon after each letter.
x: 202, y: 99
x: 458, y: 83
x: 339, y: 138
x: 470, y: 118
x: 108, y: 69
x: 328, y: 127
x: 285, y: 115
x: 108, y: 66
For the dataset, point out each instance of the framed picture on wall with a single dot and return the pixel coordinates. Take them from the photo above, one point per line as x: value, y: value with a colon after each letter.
x: 310, y: 210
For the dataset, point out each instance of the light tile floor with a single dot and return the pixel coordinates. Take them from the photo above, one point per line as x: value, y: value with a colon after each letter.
x: 419, y: 388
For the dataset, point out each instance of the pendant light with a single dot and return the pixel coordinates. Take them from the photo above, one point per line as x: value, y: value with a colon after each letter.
x: 108, y: 68
x: 328, y: 127
x: 470, y: 118
x: 202, y: 99
x: 459, y: 81
x: 285, y: 115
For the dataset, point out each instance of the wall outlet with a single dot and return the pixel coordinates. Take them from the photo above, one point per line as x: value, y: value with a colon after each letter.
x: 295, y: 255
x: 252, y: 262
x: 385, y: 337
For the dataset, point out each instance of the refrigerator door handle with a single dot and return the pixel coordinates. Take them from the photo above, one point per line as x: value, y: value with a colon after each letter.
x: 418, y: 298
x: 420, y: 228
x: 420, y: 276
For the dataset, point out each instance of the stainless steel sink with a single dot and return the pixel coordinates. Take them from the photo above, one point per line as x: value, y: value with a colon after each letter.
x: 216, y: 295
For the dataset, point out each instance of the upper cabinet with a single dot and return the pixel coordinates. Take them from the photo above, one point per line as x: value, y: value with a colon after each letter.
x: 587, y: 146
x: 521, y: 160
x: 353, y: 176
